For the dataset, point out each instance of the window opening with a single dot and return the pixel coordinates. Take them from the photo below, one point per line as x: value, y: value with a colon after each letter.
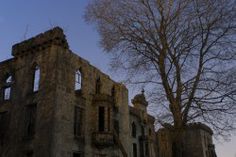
x: 77, y: 154
x: 3, y: 125
x: 116, y: 126
x: 133, y: 130
x: 78, y: 80
x: 142, y: 130
x: 150, y: 132
x: 7, y: 93
x: 109, y: 118
x: 135, y: 150
x: 7, y: 89
x: 9, y: 79
x: 29, y: 154
x: 30, y: 120
x: 147, y: 149
x: 98, y: 86
x: 141, y: 145
x: 113, y: 92
x: 36, y: 79
x: 78, y: 121
x: 101, y: 119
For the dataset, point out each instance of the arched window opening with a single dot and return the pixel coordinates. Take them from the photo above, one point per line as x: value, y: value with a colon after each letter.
x: 7, y: 89
x: 36, y: 78
x: 98, y: 86
x: 78, y: 80
x: 133, y: 130
x: 9, y: 79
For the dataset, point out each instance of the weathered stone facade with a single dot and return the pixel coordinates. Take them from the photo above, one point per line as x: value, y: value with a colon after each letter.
x: 142, y: 130
x: 53, y: 103
x: 196, y: 141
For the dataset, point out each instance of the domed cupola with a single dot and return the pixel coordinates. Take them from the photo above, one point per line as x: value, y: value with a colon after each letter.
x: 139, y: 101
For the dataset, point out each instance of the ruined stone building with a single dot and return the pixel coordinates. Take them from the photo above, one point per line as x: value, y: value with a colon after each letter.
x: 53, y: 103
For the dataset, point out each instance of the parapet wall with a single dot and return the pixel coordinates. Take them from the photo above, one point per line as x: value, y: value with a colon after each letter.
x: 200, y: 126
x: 42, y: 41
x: 191, y: 126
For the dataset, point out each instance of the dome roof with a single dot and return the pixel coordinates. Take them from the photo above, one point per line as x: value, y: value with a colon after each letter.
x: 140, y: 99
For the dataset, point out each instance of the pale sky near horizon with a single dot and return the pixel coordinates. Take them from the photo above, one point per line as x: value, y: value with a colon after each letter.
x: 22, y: 19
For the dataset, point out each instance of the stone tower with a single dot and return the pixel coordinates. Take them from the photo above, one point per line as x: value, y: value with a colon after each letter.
x: 142, y: 128
x: 139, y: 102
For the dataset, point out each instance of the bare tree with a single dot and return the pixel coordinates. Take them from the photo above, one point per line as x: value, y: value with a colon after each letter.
x: 183, y: 50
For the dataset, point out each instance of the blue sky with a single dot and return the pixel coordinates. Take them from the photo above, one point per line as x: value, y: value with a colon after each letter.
x: 22, y: 19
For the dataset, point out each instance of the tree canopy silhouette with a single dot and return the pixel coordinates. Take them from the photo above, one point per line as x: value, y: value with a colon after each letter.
x: 183, y: 50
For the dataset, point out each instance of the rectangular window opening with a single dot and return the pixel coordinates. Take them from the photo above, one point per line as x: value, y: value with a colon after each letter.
x: 7, y: 93
x: 77, y: 154
x: 78, y: 121
x: 116, y: 126
x: 141, y: 147
x: 147, y: 149
x: 101, y: 119
x: 3, y: 125
x: 135, y: 150
x: 30, y: 120
x: 36, y: 79
x: 109, y: 118
x: 29, y: 154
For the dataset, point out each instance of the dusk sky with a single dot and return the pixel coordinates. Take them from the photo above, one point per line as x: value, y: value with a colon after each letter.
x: 22, y: 19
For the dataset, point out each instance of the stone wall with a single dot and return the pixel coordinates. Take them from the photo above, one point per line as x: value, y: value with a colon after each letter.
x: 196, y: 141
x: 21, y: 67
